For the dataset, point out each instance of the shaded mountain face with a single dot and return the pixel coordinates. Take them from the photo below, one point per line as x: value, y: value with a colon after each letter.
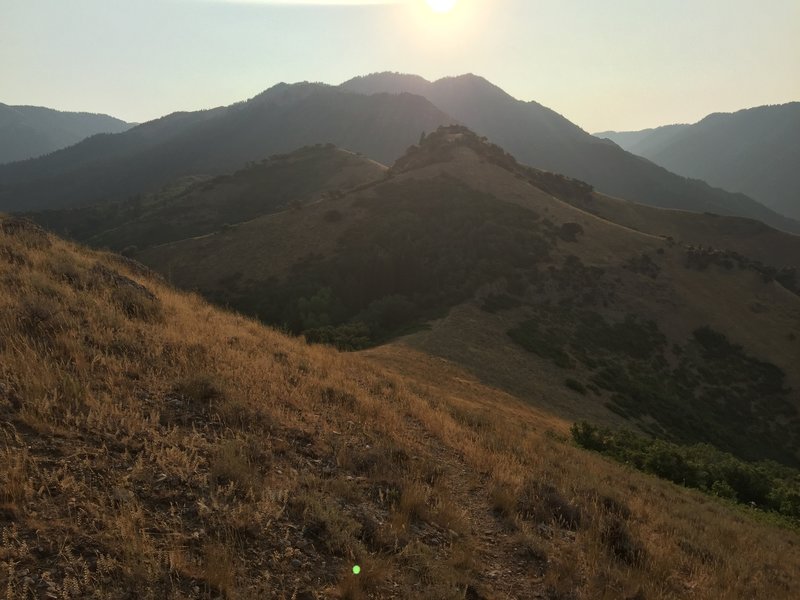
x: 460, y: 252
x: 213, y: 453
x: 31, y: 131
x: 115, y: 167
x: 754, y: 151
x: 644, y: 141
x: 540, y: 137
x: 197, y: 206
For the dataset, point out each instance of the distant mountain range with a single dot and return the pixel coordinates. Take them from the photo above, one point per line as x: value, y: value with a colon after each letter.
x: 285, y: 117
x: 540, y: 137
x: 378, y: 115
x: 31, y: 131
x: 754, y: 151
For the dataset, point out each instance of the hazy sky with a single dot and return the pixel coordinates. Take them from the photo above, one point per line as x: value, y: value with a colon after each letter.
x: 615, y: 64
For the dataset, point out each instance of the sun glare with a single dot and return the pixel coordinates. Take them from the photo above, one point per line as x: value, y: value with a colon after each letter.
x: 442, y: 6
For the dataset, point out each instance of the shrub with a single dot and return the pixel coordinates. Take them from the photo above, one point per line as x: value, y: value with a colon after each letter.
x: 766, y: 484
x: 504, y: 505
x: 332, y: 216
x: 40, y: 317
x: 387, y: 314
x: 576, y: 385
x: 569, y: 232
x: 544, y: 343
x: 134, y: 299
x: 232, y: 464
x: 617, y: 538
x: 543, y: 503
x: 586, y: 436
x: 199, y: 390
x: 28, y: 233
x: 644, y: 265
x: 412, y: 506
x: 137, y: 303
x: 723, y: 490
x: 349, y: 337
x: 496, y: 302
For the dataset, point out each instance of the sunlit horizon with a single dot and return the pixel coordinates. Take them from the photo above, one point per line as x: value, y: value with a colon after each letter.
x: 442, y: 6
x: 622, y: 66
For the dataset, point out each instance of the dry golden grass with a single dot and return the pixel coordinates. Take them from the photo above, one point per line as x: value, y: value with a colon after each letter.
x: 746, y: 236
x: 152, y: 446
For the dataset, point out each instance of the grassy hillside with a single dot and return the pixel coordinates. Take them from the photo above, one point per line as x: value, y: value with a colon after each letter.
x: 734, y: 234
x: 474, y: 258
x: 155, y: 447
x: 540, y: 137
x: 384, y: 257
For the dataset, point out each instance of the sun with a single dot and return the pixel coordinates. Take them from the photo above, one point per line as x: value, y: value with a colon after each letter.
x: 442, y: 6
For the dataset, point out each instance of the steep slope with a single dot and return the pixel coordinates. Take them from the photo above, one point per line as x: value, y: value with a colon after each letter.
x: 748, y: 237
x: 155, y: 447
x: 112, y: 168
x: 540, y: 137
x: 201, y: 205
x: 754, y: 151
x: 31, y: 131
x: 460, y: 234
x: 640, y: 142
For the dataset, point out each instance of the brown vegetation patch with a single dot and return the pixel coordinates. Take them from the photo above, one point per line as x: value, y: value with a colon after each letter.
x: 201, y: 455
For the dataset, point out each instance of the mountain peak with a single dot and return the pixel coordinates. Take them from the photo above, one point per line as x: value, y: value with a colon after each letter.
x: 472, y: 79
x: 387, y: 82
x: 397, y: 83
x: 457, y: 142
x: 290, y: 92
x: 441, y: 146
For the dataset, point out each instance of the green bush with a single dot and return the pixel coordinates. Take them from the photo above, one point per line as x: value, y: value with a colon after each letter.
x: 496, y: 302
x: 350, y: 336
x: 569, y: 232
x: 708, y: 390
x: 576, y: 385
x: 332, y: 216
x: 765, y: 484
x: 546, y: 344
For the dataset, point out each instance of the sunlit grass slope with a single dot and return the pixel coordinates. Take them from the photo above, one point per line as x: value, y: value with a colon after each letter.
x: 746, y: 236
x: 152, y: 446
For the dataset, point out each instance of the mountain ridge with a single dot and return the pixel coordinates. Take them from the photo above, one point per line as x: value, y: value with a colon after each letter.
x: 27, y: 132
x: 752, y: 150
x: 540, y: 137
x: 211, y: 142
x: 380, y: 125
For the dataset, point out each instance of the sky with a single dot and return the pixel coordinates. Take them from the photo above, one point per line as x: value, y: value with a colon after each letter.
x: 610, y: 65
